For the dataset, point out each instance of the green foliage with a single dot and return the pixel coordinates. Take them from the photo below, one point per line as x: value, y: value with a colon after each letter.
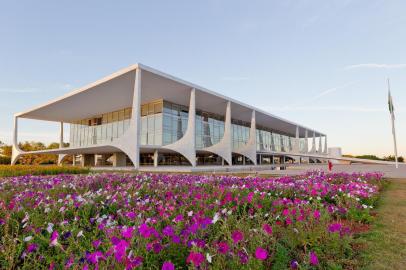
x: 18, y: 170
x: 5, y: 160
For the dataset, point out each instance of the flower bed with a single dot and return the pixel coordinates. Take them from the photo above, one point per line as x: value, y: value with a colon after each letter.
x: 184, y: 221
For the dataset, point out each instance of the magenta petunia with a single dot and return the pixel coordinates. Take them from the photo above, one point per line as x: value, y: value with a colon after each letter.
x: 261, y: 254
x: 267, y: 228
x: 316, y: 214
x: 334, y: 227
x: 54, y: 238
x: 127, y: 232
x: 195, y: 258
x: 237, y: 236
x: 313, y: 258
x: 168, y: 266
x: 223, y: 248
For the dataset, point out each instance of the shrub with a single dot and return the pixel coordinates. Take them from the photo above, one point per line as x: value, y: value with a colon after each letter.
x: 18, y: 170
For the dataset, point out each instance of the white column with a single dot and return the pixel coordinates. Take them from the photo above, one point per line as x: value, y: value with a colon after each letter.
x: 136, y: 116
x: 16, y: 151
x: 306, y: 146
x: 60, y: 156
x: 297, y: 146
x: 313, y: 150
x: 224, y: 147
x: 187, y: 144
x: 320, y: 146
x: 325, y: 145
x: 156, y: 158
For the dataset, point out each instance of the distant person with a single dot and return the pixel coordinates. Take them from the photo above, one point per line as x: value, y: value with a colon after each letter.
x: 330, y: 166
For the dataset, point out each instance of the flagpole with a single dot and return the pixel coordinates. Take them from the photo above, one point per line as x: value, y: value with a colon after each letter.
x: 393, y: 126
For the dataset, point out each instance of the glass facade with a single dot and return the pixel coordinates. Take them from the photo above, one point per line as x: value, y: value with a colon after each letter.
x: 209, y: 129
x: 151, y: 123
x: 163, y: 123
x: 99, y: 129
x: 175, y: 118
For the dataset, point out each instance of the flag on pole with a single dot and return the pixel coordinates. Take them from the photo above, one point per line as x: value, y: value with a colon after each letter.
x: 392, y: 114
x: 390, y: 103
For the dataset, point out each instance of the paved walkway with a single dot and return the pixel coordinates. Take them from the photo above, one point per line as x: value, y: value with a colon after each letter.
x: 389, y: 170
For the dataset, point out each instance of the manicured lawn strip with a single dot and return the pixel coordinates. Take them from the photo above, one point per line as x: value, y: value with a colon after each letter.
x: 385, y: 242
x: 20, y: 170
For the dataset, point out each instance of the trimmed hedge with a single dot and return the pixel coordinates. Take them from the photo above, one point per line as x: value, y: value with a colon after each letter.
x: 18, y: 170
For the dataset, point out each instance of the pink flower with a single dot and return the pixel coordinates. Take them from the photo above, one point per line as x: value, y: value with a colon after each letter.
x: 316, y: 214
x: 222, y: 247
x: 195, y: 258
x: 261, y: 254
x: 127, y: 233
x: 313, y: 258
x: 237, y: 236
x: 267, y: 228
x: 168, y: 231
x: 168, y: 266
x: 250, y: 197
x: 54, y: 238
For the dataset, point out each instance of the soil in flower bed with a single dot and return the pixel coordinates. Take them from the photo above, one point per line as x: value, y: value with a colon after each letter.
x: 147, y: 221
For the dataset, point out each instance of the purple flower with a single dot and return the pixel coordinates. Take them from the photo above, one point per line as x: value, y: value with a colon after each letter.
x: 120, y: 249
x: 334, y: 227
x: 53, y: 241
x: 294, y: 264
x: 313, y: 258
x: 32, y: 247
x: 95, y: 257
x: 237, y: 236
x: 243, y: 257
x: 145, y: 230
x: 261, y: 254
x: 168, y: 231
x: 168, y: 266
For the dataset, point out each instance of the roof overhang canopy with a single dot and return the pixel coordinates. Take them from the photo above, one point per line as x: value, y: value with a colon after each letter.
x: 115, y: 92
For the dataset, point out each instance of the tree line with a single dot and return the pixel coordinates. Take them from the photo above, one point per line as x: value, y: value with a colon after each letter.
x: 33, y: 159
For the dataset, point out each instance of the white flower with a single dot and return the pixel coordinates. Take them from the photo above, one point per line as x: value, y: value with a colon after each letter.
x: 47, y: 210
x: 50, y: 227
x: 28, y: 238
x: 209, y: 257
x: 80, y: 234
x: 190, y: 213
x: 216, y: 218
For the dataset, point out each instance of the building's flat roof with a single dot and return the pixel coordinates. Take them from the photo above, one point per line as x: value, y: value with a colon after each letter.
x: 114, y: 92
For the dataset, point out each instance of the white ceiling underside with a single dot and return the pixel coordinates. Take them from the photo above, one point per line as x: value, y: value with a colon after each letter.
x: 115, y: 92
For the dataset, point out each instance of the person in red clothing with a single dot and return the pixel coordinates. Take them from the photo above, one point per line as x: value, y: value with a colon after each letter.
x: 330, y: 165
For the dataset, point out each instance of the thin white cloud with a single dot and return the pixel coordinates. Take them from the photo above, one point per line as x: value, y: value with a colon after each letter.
x: 374, y: 65
x: 322, y: 94
x: 235, y: 78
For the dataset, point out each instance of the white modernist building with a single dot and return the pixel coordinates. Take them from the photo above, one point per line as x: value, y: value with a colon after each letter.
x: 144, y: 118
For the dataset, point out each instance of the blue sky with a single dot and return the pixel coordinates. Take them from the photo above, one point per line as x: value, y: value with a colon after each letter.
x: 322, y: 63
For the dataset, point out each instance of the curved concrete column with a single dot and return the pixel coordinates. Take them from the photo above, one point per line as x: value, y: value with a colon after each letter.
x: 187, y: 144
x: 296, y: 146
x: 130, y: 141
x: 320, y: 146
x: 224, y: 147
x: 250, y: 148
x: 16, y: 151
x: 313, y: 150
x: 306, y: 146
x: 61, y: 156
x: 325, y: 145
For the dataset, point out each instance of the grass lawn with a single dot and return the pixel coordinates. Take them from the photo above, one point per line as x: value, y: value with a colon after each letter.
x: 386, y: 240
